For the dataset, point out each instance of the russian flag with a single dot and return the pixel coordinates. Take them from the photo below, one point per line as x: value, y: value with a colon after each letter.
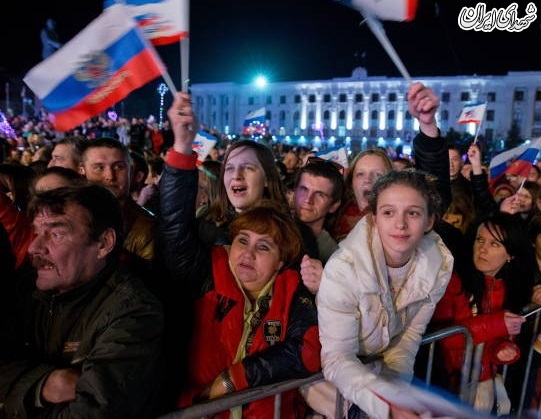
x: 162, y: 21
x: 472, y: 112
x: 397, y: 10
x: 100, y: 66
x: 254, y: 122
x: 517, y: 161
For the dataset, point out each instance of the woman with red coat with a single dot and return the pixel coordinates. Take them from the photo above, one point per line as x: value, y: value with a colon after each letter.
x: 488, y: 303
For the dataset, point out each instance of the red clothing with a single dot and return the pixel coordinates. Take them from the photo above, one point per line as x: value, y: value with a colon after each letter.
x: 488, y: 327
x: 348, y: 219
x: 218, y: 331
x: 18, y: 226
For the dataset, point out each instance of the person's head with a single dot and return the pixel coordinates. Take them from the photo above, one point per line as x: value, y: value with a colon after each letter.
x: 15, y: 182
x: 56, y: 177
x: 78, y: 229
x: 139, y: 172
x: 155, y: 169
x: 26, y: 156
x: 514, y: 180
x: 455, y: 162
x: 364, y: 170
x: 208, y: 184
x: 535, y: 174
x: 248, y: 174
x: 214, y: 154
x: 527, y: 196
x: 43, y: 153
x: 291, y: 161
x: 318, y: 191
x: 502, y: 191
x: 107, y: 161
x: 402, y: 163
x: 502, y: 249
x: 405, y: 204
x: 460, y: 212
x: 67, y: 152
x: 265, y: 240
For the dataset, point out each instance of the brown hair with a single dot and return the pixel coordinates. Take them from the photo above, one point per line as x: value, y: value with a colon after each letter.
x: 222, y: 210
x: 268, y: 217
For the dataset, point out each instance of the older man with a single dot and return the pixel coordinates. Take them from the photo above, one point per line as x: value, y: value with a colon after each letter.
x: 91, y: 333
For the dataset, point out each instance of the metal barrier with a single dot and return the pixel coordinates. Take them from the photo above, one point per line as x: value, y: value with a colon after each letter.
x: 240, y: 398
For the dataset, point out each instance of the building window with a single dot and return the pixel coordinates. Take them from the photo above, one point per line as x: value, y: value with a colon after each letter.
x: 489, y: 134
x: 359, y: 97
x: 297, y: 99
x: 251, y: 100
x: 296, y: 116
x: 465, y: 96
x: 392, y: 97
x: 282, y: 116
x: 491, y: 97
x: 538, y: 95
x: 312, y: 98
x: 326, y: 98
x: 342, y: 115
x: 326, y: 115
x: 490, y: 115
x: 282, y: 99
x: 375, y: 97
x: 390, y: 115
x: 268, y: 115
x: 408, y: 116
x: 519, y: 95
x: 269, y: 100
x: 342, y: 97
x: 445, y: 97
x: 374, y: 115
x: 445, y: 115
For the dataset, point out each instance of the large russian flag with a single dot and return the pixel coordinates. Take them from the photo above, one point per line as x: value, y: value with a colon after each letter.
x: 100, y: 66
x: 162, y: 21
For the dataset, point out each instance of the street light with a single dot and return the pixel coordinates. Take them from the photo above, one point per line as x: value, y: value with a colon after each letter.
x: 260, y: 81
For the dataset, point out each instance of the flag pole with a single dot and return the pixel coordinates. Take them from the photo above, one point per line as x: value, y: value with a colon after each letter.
x: 185, y: 50
x: 377, y: 29
x: 478, y: 129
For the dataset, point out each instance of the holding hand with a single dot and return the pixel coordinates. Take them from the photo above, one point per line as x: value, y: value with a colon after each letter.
x: 183, y: 123
x: 311, y: 271
x: 60, y: 386
x: 422, y: 105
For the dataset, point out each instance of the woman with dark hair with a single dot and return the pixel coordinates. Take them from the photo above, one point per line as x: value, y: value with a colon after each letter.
x: 489, y: 302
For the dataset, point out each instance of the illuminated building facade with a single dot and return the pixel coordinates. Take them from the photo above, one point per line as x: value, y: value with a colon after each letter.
x: 365, y: 110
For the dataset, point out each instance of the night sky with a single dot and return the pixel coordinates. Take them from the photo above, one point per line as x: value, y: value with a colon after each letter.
x: 290, y: 40
x: 300, y: 39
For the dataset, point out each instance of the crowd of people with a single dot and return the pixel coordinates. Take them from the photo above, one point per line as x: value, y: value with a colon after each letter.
x: 137, y: 279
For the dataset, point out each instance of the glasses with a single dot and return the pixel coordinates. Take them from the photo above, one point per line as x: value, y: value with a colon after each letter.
x: 319, y: 160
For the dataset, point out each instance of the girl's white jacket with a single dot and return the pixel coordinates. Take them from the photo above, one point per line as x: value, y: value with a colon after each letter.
x: 357, y: 316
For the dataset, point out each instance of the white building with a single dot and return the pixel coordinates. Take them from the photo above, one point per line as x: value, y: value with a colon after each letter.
x: 364, y: 110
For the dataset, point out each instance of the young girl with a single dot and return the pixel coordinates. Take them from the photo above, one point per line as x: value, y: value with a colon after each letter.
x: 379, y: 290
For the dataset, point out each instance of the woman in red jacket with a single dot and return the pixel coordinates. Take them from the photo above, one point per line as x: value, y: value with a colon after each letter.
x: 488, y: 303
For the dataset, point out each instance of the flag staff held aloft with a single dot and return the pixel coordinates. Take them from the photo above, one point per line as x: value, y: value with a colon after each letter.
x: 396, y: 10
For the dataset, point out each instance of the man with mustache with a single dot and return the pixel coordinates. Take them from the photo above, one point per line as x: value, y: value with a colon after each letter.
x: 91, y: 334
